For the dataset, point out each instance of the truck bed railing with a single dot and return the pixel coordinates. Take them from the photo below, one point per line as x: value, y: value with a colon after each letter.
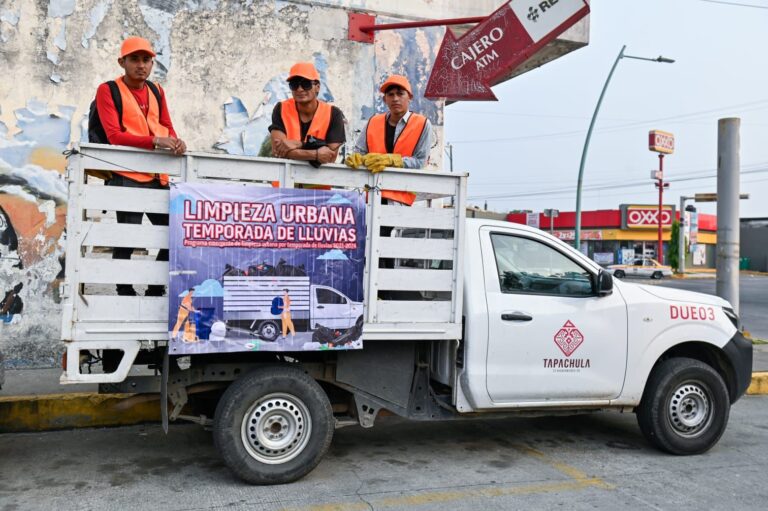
x: 94, y: 314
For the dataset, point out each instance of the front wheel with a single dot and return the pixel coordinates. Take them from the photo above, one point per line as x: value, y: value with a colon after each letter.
x: 273, y: 425
x: 685, y: 407
x: 657, y: 275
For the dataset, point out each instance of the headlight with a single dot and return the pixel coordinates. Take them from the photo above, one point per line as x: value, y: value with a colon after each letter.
x: 732, y: 316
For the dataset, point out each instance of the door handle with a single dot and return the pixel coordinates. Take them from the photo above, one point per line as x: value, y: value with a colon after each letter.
x: 516, y: 316
x: 320, y: 307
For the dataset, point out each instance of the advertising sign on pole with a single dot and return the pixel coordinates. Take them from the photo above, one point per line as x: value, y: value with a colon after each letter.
x: 661, y: 142
x: 532, y: 220
x: 646, y: 217
x: 265, y: 269
x: 466, y: 67
x: 693, y: 235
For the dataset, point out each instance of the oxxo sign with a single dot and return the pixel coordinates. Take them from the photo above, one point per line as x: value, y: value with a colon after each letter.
x: 646, y: 217
x: 661, y: 142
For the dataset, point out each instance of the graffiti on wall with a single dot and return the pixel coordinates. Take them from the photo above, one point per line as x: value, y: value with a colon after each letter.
x: 33, y: 199
x: 223, y: 65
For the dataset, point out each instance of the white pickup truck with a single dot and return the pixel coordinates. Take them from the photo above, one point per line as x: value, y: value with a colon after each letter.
x: 500, y: 319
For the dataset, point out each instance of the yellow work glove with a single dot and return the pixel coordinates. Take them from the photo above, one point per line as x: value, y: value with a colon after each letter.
x: 354, y: 160
x: 377, y: 162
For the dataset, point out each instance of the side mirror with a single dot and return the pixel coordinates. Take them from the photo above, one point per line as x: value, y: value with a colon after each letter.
x: 604, y: 283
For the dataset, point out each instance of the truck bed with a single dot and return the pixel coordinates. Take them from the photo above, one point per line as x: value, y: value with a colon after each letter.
x: 95, y: 318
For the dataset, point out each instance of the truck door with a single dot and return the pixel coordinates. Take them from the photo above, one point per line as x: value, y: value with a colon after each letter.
x: 550, y: 336
x: 331, y: 308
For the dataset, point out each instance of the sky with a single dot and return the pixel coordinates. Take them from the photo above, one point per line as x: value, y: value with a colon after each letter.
x: 523, y: 152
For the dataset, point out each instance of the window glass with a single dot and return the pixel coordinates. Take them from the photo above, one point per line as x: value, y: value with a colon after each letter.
x: 528, y: 266
x: 326, y: 296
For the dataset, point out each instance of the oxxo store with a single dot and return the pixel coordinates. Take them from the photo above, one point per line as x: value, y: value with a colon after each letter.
x: 613, y: 236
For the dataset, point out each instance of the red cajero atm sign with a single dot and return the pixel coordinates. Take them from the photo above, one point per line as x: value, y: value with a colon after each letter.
x: 661, y: 142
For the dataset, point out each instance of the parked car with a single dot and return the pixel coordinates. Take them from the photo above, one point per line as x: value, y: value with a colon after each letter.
x: 641, y: 267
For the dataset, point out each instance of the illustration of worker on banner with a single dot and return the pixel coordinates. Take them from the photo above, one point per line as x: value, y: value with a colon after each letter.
x: 265, y: 269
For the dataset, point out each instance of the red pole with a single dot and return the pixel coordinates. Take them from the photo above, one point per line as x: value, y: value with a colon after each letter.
x: 418, y: 24
x: 660, y: 251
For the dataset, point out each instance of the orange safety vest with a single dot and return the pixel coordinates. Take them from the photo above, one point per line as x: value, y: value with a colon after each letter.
x: 135, y: 123
x: 405, y: 144
x: 318, y: 128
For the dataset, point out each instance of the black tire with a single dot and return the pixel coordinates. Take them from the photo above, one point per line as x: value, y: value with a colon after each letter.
x: 685, y: 407
x: 273, y: 425
x: 269, y: 330
x: 657, y: 275
x: 619, y: 274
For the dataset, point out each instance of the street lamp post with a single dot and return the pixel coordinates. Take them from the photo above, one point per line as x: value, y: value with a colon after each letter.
x: 591, y: 127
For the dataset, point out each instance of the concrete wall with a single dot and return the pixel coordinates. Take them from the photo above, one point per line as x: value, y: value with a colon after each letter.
x: 223, y: 64
x: 754, y: 242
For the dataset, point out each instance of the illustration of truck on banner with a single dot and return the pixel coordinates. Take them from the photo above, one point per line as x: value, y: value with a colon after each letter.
x: 326, y: 312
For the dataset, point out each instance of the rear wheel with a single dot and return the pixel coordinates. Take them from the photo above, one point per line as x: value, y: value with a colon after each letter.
x: 269, y: 331
x: 657, y: 275
x: 273, y: 425
x: 619, y: 274
x: 685, y: 407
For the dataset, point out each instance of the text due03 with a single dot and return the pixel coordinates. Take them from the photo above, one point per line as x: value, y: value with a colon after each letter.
x: 692, y: 312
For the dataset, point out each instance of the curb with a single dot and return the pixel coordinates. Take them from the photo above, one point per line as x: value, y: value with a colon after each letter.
x: 759, y: 385
x: 76, y: 410
x: 19, y: 414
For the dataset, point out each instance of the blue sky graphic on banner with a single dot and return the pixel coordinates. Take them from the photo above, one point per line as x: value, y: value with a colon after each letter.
x: 265, y: 269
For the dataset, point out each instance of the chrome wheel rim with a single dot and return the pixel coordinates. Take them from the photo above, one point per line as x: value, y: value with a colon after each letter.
x: 690, y: 409
x: 276, y: 428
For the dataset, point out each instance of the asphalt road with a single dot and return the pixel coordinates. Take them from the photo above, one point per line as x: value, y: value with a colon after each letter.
x: 753, y: 295
x: 597, y: 461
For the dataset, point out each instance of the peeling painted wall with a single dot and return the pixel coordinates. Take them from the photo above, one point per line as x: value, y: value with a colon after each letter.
x: 223, y: 64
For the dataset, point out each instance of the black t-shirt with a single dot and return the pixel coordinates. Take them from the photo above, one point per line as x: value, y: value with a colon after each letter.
x: 335, y: 134
x: 389, y: 137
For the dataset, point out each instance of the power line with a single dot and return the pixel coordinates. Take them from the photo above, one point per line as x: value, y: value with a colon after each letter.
x: 735, y: 4
x: 696, y: 172
x: 598, y: 193
x: 630, y: 184
x: 609, y: 129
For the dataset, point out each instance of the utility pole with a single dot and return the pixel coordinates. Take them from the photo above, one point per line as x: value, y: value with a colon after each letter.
x: 663, y: 143
x: 728, y: 239
x: 660, y: 183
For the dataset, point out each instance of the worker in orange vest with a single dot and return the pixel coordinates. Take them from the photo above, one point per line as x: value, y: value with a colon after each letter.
x: 303, y: 127
x: 183, y: 318
x: 285, y: 315
x: 399, y: 138
x: 143, y: 121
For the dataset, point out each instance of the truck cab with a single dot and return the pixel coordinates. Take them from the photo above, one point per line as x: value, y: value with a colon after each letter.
x: 547, y: 327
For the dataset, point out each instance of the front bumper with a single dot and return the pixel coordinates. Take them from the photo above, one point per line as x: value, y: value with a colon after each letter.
x: 739, y: 353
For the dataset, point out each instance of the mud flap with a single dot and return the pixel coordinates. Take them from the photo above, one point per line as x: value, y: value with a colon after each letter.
x: 164, y: 390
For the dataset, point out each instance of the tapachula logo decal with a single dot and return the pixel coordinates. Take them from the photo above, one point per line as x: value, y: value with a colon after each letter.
x: 533, y: 14
x: 568, y: 338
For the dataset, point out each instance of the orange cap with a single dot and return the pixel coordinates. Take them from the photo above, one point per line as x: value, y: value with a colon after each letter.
x: 305, y: 70
x: 134, y: 44
x: 398, y: 80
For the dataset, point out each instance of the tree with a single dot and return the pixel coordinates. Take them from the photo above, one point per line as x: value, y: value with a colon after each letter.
x: 674, y: 245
